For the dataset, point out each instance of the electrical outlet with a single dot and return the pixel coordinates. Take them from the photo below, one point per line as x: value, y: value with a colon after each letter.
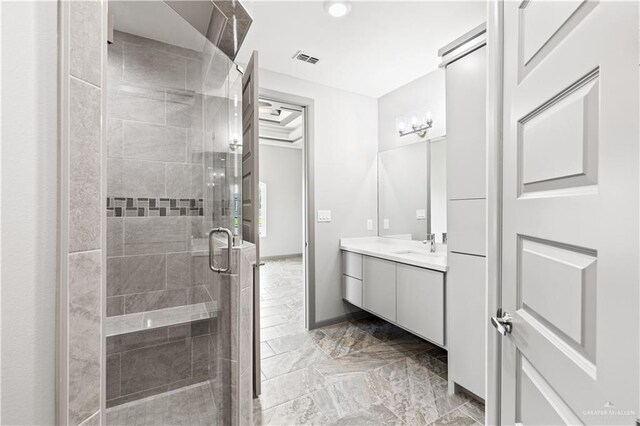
x: 421, y: 214
x: 385, y: 224
x: 324, y: 215
x: 369, y: 225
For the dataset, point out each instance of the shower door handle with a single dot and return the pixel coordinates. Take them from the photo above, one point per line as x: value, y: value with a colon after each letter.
x: 211, y: 249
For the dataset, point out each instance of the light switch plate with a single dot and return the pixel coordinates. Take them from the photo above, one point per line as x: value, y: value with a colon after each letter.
x: 385, y: 224
x: 369, y: 225
x: 421, y: 214
x: 324, y: 215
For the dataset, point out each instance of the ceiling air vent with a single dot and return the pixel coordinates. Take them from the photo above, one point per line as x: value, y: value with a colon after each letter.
x: 301, y: 56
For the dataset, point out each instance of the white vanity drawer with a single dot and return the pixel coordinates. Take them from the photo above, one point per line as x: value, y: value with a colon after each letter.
x: 352, y: 290
x: 352, y: 264
x: 420, y: 301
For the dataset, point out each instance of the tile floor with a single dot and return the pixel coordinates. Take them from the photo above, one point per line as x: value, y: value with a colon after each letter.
x: 365, y: 372
x: 188, y: 406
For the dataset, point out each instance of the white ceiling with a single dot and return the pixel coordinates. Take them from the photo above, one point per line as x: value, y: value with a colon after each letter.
x: 377, y: 48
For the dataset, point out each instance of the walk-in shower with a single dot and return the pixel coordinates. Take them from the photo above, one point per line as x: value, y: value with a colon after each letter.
x: 174, y: 126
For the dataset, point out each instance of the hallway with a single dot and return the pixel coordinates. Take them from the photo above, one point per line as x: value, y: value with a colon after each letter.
x: 354, y: 373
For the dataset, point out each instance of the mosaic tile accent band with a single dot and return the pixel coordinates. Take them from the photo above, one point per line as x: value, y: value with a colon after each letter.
x: 142, y: 207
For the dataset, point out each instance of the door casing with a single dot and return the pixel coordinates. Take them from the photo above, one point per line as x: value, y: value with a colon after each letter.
x: 308, y: 202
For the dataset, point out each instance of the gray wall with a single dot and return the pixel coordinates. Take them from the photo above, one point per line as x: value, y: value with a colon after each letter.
x: 281, y: 171
x: 29, y: 211
x: 425, y: 93
x: 345, y: 150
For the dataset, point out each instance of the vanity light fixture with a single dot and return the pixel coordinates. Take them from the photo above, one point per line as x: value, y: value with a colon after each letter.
x: 417, y: 127
x: 337, y: 9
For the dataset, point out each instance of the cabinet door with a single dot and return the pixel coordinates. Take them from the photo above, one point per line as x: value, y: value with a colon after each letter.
x: 379, y: 287
x: 466, y: 144
x: 420, y: 301
x: 467, y: 321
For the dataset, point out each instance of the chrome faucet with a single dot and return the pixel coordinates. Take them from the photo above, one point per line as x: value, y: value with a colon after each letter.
x: 431, y: 240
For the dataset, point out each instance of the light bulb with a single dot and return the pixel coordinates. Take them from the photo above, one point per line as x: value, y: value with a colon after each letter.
x: 337, y: 9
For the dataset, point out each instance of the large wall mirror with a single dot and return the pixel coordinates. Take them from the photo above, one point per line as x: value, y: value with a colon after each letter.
x: 412, y: 190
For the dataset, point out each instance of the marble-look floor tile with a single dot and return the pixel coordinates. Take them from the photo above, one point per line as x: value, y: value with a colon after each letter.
x: 266, y: 351
x: 273, y: 320
x: 290, y: 386
x: 269, y: 333
x: 300, y: 411
x: 432, y: 364
x: 275, y: 310
x: 342, y: 339
x: 475, y: 410
x: 381, y: 329
x: 291, y: 343
x: 340, y: 368
x: 291, y: 328
x: 291, y: 361
x: 346, y: 397
x: 454, y: 418
x: 373, y: 415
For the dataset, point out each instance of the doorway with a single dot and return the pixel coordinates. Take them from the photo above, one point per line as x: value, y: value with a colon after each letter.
x: 282, y: 221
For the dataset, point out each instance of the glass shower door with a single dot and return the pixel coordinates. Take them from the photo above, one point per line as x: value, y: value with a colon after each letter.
x: 173, y: 171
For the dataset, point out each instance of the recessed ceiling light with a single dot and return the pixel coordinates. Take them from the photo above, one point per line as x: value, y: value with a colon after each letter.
x: 337, y: 9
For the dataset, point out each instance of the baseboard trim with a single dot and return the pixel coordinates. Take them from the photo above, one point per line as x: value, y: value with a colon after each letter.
x: 280, y: 256
x: 341, y: 318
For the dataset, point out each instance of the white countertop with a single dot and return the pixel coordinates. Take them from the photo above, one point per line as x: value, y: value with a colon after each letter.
x: 398, y: 250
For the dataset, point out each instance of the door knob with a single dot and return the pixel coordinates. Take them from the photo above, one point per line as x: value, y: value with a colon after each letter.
x: 503, y: 323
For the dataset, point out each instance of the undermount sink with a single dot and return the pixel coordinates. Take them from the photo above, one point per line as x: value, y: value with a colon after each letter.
x: 416, y: 252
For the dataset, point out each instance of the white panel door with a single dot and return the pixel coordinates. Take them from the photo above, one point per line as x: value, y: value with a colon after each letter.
x: 570, y: 276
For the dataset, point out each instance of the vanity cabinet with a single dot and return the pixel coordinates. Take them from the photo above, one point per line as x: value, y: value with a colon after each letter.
x: 420, y: 301
x: 352, y: 290
x: 408, y: 296
x: 352, y: 278
x: 352, y: 264
x: 379, y: 287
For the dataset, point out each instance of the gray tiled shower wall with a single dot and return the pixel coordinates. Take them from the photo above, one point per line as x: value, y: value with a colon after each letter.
x: 158, y: 360
x: 155, y: 151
